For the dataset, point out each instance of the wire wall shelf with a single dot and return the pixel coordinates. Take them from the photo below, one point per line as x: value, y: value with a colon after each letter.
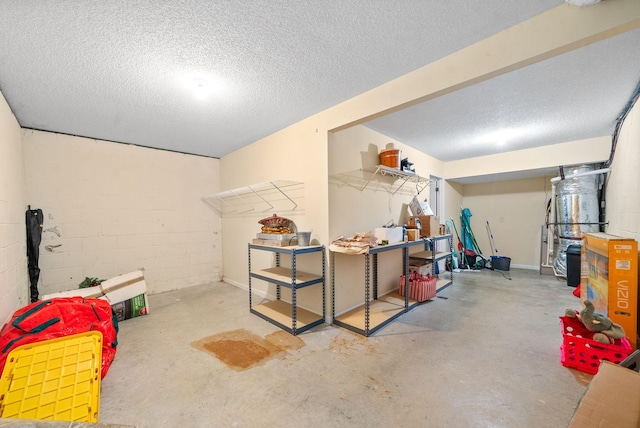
x: 370, y: 178
x: 279, y: 195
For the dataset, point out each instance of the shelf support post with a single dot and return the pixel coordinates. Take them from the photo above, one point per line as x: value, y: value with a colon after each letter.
x: 367, y: 295
x: 293, y: 292
x: 405, y: 269
x: 249, y: 259
x: 278, y: 285
x: 332, y: 267
x: 324, y: 283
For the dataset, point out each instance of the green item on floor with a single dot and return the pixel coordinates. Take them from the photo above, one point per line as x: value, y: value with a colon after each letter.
x: 90, y: 282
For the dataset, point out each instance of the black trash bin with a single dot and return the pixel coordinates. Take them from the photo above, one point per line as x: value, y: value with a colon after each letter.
x: 573, y: 265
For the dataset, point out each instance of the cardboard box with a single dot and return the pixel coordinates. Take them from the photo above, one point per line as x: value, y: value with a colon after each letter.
x: 413, y: 234
x: 271, y: 242
x: 391, y: 234
x: 418, y: 208
x: 420, y: 267
x: 430, y: 225
x: 131, y: 308
x: 611, y: 400
x: 609, y: 279
x: 122, y: 292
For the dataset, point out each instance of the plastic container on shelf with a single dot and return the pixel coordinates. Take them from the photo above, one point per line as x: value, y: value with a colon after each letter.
x: 421, y: 287
x: 579, y: 350
x: 390, y: 158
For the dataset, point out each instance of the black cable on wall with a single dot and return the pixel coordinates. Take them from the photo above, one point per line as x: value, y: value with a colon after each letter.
x: 619, y: 122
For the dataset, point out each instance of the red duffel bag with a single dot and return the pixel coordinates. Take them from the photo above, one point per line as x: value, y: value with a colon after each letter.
x: 60, y: 317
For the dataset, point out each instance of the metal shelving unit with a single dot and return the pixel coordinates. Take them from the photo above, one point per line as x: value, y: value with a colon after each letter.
x: 431, y: 256
x: 378, y: 311
x: 287, y: 315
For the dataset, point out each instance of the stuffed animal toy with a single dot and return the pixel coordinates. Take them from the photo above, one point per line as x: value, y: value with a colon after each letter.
x: 571, y: 313
x: 605, y: 329
x: 603, y: 338
x: 592, y: 320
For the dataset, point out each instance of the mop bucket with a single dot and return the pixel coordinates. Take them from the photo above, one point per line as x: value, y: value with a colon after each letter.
x: 500, y: 263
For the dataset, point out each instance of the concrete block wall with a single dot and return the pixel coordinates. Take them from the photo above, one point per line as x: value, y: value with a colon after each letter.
x: 14, y: 282
x: 113, y: 208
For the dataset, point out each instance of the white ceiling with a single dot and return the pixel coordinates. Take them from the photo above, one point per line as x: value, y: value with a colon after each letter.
x: 119, y: 70
x: 571, y: 97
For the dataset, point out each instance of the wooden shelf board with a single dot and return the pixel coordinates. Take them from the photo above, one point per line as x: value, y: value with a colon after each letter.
x: 443, y: 283
x: 284, y: 275
x: 380, y: 311
x: 427, y: 255
x: 421, y: 255
x: 287, y: 249
x: 280, y: 311
x: 395, y: 298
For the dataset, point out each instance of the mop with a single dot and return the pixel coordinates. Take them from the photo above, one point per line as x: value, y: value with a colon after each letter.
x: 493, y: 244
x: 454, y: 255
x: 494, y: 258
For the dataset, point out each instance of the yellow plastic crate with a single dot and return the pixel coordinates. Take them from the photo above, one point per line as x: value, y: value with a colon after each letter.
x: 56, y: 379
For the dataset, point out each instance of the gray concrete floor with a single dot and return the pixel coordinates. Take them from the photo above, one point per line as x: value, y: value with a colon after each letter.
x: 485, y: 354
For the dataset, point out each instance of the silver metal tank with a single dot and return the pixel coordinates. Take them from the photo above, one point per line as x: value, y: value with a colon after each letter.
x: 576, y: 211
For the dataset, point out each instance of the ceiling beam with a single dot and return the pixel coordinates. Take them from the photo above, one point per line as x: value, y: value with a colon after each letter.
x: 555, y: 32
x: 588, y: 151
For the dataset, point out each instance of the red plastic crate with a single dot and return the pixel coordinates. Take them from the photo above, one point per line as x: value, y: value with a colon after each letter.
x: 579, y: 350
x: 421, y: 287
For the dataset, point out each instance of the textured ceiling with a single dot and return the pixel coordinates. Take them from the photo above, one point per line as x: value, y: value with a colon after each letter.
x: 575, y: 96
x: 119, y: 70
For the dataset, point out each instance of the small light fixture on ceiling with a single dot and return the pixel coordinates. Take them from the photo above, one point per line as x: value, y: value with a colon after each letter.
x: 201, y: 85
x: 582, y: 2
x: 505, y: 135
x: 200, y: 88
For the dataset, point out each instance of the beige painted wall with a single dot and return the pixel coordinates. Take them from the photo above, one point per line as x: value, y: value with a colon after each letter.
x: 623, y: 202
x: 353, y: 153
x: 114, y: 208
x: 360, y: 202
x: 515, y: 211
x: 453, y: 193
x: 14, y: 280
x: 297, y: 153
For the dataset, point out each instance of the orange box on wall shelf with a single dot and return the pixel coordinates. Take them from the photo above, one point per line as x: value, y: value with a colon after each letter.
x: 609, y: 279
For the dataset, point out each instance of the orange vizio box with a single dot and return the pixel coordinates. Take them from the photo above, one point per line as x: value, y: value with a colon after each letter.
x: 609, y: 279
